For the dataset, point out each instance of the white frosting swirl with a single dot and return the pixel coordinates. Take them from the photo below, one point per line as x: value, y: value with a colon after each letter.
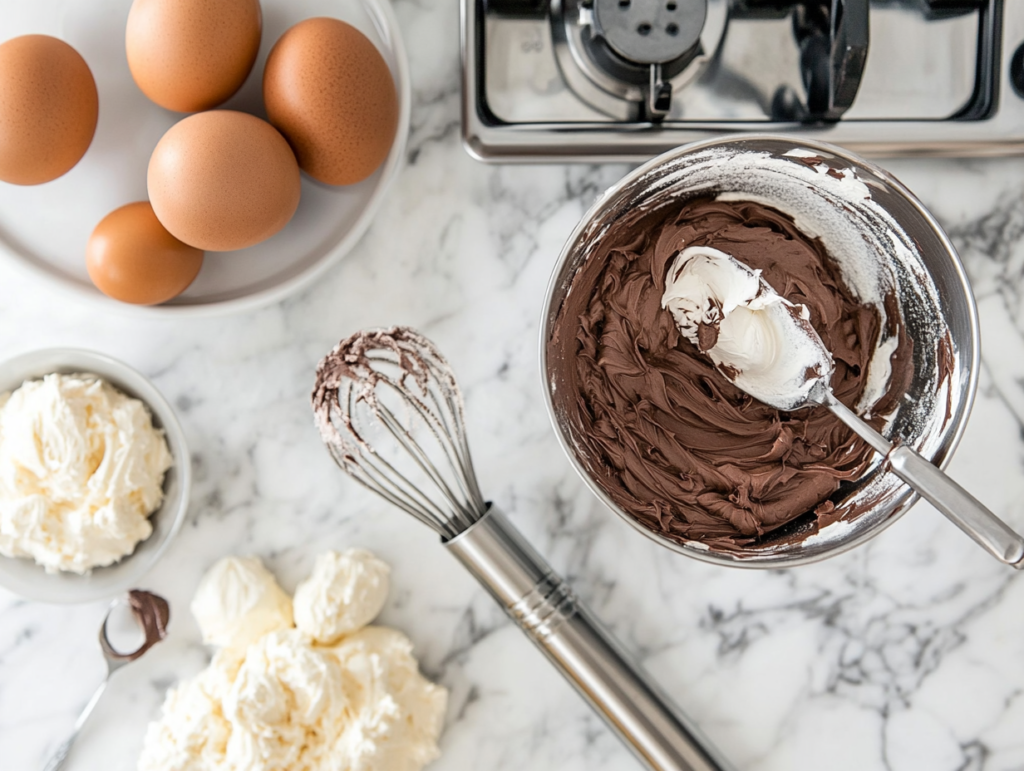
x: 762, y: 342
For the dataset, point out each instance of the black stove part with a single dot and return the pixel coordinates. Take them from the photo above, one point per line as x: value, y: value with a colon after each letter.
x: 650, y: 31
x: 659, y: 94
x: 832, y: 36
x: 1017, y: 70
x: 955, y: 6
x: 832, y: 55
x: 518, y: 9
x: 760, y: 9
x: 985, y: 101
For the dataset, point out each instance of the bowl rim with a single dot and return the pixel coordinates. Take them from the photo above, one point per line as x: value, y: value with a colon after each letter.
x: 138, y: 386
x: 905, y: 499
x: 383, y: 16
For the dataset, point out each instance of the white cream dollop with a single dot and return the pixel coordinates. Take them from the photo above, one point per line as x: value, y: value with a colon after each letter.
x: 394, y: 714
x: 81, y: 470
x: 194, y: 733
x: 761, y: 341
x: 284, y: 706
x: 285, y: 702
x: 344, y: 592
x: 238, y: 601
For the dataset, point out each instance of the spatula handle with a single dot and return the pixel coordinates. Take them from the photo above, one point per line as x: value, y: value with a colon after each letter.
x: 960, y: 507
x: 931, y: 483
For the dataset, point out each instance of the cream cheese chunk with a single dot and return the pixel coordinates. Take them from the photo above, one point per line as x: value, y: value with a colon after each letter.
x: 274, y: 698
x: 345, y: 592
x: 238, y: 601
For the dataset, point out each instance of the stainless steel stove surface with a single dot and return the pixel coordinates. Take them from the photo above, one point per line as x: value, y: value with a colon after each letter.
x: 592, y: 80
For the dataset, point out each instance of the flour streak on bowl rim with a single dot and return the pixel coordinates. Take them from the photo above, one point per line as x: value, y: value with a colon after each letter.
x: 849, y: 533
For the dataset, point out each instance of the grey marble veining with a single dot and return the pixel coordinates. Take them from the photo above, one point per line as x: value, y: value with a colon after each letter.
x: 906, y: 654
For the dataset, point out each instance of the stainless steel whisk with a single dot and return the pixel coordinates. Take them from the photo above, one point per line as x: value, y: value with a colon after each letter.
x: 389, y: 410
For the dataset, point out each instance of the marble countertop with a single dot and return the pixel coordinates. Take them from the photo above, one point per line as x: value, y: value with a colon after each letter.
x: 906, y: 654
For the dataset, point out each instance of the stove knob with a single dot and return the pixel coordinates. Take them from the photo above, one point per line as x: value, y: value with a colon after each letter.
x: 651, y: 31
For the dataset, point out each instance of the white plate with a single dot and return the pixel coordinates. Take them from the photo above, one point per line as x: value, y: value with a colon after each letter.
x: 46, y: 227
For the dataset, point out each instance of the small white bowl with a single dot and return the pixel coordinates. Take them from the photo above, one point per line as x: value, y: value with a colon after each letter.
x: 28, y: 579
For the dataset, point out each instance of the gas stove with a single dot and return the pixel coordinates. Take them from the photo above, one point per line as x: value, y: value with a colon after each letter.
x: 598, y: 80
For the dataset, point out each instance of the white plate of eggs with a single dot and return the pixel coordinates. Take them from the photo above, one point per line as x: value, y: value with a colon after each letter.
x: 232, y: 223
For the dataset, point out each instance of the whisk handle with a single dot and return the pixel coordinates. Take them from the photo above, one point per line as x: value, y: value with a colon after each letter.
x: 540, y: 602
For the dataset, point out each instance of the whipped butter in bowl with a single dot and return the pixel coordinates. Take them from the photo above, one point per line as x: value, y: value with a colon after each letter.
x: 94, y: 475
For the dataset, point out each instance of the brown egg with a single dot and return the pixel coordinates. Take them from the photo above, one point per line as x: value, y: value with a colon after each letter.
x: 330, y: 92
x: 223, y: 180
x: 132, y: 258
x: 48, y: 109
x: 191, y: 55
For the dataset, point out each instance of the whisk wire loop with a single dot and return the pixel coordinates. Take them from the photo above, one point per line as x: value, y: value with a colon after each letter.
x: 387, y: 476
x: 421, y: 459
x: 396, y: 380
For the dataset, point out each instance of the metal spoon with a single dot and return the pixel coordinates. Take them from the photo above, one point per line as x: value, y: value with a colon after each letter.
x: 927, y: 479
x: 151, y: 613
x: 704, y: 286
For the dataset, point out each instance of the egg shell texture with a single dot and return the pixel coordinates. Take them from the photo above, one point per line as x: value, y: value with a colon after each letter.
x: 132, y: 258
x: 329, y: 91
x: 223, y: 180
x: 48, y: 109
x: 191, y: 55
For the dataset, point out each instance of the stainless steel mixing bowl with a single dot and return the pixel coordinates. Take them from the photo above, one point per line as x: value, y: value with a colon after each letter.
x: 934, y: 298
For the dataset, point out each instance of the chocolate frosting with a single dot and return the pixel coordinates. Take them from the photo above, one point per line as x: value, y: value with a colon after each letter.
x: 666, y: 435
x: 151, y: 613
